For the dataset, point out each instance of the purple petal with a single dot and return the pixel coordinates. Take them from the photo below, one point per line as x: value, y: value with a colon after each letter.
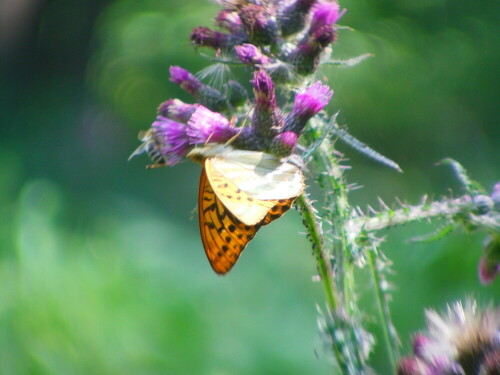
x: 207, y: 126
x: 312, y: 100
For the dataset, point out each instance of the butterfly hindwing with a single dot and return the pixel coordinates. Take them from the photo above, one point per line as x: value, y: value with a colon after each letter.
x: 224, y: 236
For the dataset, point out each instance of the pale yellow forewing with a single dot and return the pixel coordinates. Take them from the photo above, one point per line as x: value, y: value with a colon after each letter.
x: 246, y: 208
x: 263, y: 176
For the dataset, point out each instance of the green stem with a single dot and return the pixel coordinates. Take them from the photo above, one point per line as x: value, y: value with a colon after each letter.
x: 390, y: 334
x: 322, y: 258
x: 448, y: 208
x: 325, y: 271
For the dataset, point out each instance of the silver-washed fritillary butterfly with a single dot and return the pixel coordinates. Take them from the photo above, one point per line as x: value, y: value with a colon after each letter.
x: 240, y: 191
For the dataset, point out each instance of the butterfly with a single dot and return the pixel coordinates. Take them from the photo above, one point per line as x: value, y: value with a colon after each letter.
x: 240, y: 191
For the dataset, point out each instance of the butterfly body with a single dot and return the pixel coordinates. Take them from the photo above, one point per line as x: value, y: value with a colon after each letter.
x: 240, y: 191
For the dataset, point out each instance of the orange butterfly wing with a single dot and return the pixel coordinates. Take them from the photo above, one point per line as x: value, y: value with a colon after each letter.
x: 223, y: 235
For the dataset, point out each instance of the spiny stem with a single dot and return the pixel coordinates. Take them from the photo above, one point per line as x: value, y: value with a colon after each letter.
x: 324, y: 268
x: 445, y: 209
x: 322, y: 258
x: 390, y: 334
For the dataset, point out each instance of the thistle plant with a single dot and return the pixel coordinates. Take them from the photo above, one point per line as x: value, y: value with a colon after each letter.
x: 282, y: 46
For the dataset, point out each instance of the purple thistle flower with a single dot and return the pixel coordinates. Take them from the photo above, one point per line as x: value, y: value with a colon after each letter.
x: 205, y: 37
x: 207, y: 126
x: 206, y: 95
x: 251, y: 55
x: 307, y: 104
x: 185, y: 79
x: 263, y: 88
x: 293, y: 17
x: 259, y: 23
x: 284, y: 143
x: 325, y: 13
x: 307, y: 55
x: 312, y: 100
x: 230, y: 21
x: 172, y: 139
x: 177, y: 110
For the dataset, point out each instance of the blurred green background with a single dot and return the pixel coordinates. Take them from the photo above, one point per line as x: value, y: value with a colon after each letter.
x: 101, y: 267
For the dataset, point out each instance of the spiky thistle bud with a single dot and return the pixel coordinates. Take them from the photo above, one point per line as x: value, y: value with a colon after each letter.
x: 185, y: 79
x: 307, y: 56
x: 260, y: 24
x: 229, y: 20
x: 284, y: 144
x: 206, y: 95
x: 206, y: 37
x: 306, y: 105
x: 177, y: 110
x: 267, y: 118
x: 293, y: 17
x: 251, y: 55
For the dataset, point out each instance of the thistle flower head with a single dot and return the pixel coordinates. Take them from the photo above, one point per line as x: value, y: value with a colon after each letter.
x: 306, y: 105
x: 230, y: 21
x: 251, y: 55
x: 177, y: 110
x: 267, y: 119
x: 206, y: 37
x: 185, y: 79
x: 306, y: 56
x: 172, y: 139
x: 207, y: 126
x: 263, y: 88
x: 325, y: 13
x: 312, y: 100
x: 458, y: 342
x: 284, y: 143
x: 260, y: 23
x: 293, y: 19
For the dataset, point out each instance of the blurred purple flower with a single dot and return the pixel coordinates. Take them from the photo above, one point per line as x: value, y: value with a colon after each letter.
x: 260, y: 25
x: 267, y: 118
x: 207, y: 126
x: 206, y: 37
x: 185, y: 79
x: 293, y: 17
x: 251, y: 55
x: 312, y: 100
x: 263, y: 88
x: 230, y: 21
x: 177, y: 110
x: 325, y: 13
x: 172, y: 138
